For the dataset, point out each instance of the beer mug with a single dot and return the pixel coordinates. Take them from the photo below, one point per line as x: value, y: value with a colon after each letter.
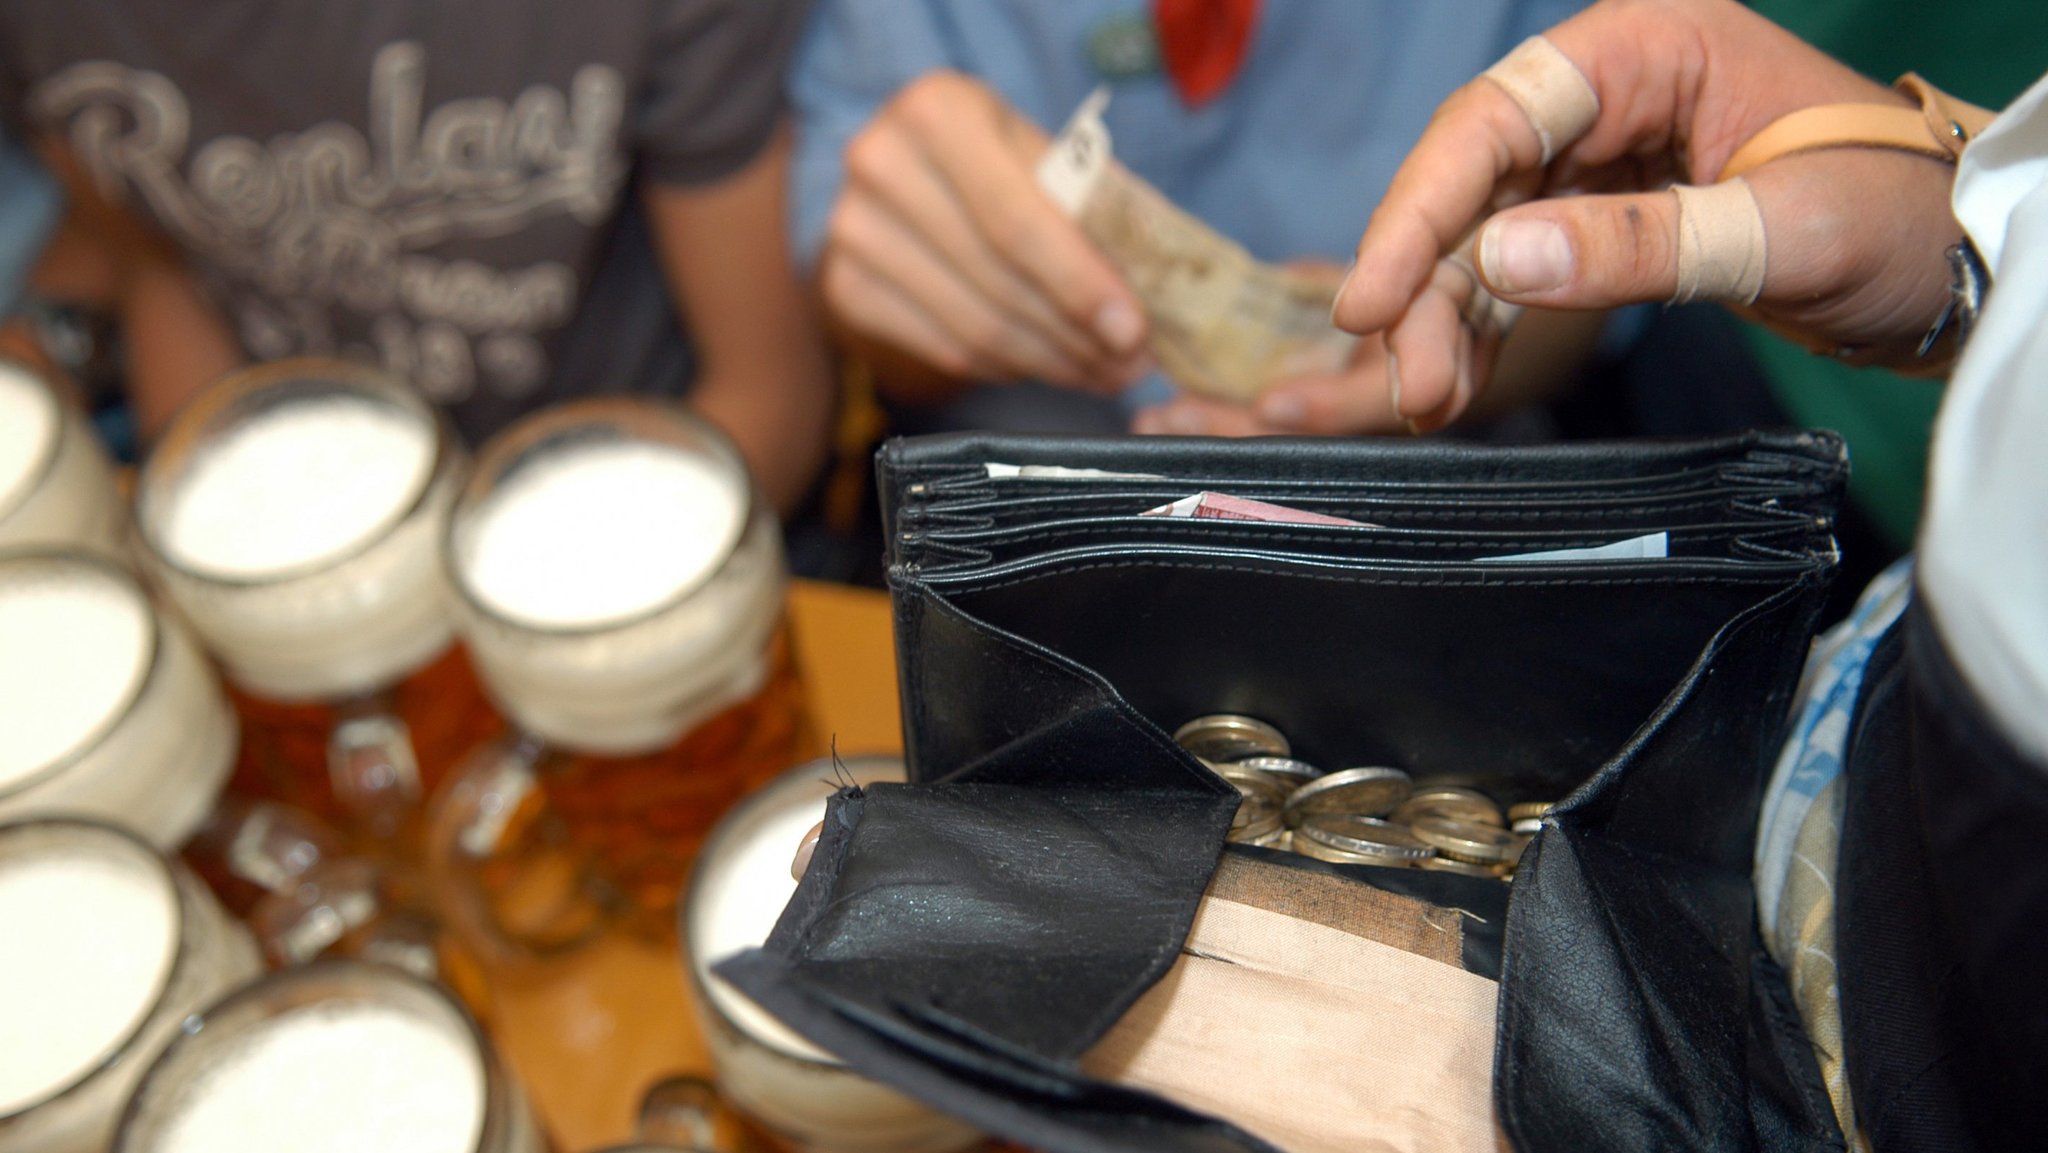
x: 619, y: 584
x: 56, y: 485
x: 681, y: 1115
x: 108, y: 945
x: 107, y: 707
x: 293, y: 512
x: 331, y: 1055
x: 742, y: 883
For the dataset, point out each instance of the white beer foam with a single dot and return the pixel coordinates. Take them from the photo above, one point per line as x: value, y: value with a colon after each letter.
x: 89, y: 946
x: 304, y: 482
x: 600, y: 533
x: 74, y: 648
x: 336, y: 1077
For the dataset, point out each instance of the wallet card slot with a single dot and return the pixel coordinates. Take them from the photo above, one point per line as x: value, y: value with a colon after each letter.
x: 1363, y: 493
x: 1771, y: 506
x: 1731, y: 541
x: 1371, y: 508
x: 941, y: 469
x: 1694, y: 480
x: 984, y: 522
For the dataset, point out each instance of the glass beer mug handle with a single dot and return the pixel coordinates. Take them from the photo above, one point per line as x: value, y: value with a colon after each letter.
x: 508, y: 880
x: 263, y: 843
x: 371, y: 765
x: 682, y: 1113
x: 302, y: 922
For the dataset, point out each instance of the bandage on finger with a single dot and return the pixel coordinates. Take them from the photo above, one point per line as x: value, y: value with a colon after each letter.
x: 1550, y: 90
x: 1722, y: 252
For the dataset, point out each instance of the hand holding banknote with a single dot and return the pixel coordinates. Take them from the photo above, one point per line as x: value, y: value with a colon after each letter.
x: 1250, y: 343
x: 1353, y: 399
x: 943, y: 245
x: 967, y: 239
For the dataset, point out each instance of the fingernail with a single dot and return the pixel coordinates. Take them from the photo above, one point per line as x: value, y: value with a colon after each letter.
x: 1524, y: 255
x: 1119, y: 326
x: 805, y: 850
x: 1343, y: 286
x: 1282, y: 410
x: 1394, y: 385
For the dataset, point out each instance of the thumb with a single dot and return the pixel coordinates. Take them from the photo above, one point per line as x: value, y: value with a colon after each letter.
x: 1583, y: 251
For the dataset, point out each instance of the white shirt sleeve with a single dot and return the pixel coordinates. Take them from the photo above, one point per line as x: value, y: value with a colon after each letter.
x: 1984, y: 542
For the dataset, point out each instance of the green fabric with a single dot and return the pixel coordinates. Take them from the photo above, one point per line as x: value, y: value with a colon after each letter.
x: 1984, y: 51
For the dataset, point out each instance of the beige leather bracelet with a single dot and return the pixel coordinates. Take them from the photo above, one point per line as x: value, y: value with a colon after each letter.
x: 1939, y: 129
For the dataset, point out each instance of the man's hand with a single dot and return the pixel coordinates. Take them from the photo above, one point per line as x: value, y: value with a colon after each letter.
x: 942, y: 245
x: 1542, y: 355
x: 1854, y: 236
x: 1331, y: 404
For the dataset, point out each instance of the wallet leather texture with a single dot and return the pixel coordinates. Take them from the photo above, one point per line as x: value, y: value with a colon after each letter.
x: 964, y: 936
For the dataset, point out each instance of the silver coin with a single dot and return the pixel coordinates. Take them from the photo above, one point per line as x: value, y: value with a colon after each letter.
x: 1281, y: 838
x: 1465, y: 868
x: 1252, y: 808
x: 1467, y: 840
x: 1227, y: 737
x: 1295, y: 773
x: 1252, y: 783
x: 1262, y: 828
x: 1453, y: 801
x: 1515, y: 849
x: 1336, y: 856
x: 1363, y: 836
x: 1527, y: 826
x: 1255, y: 824
x: 1365, y: 792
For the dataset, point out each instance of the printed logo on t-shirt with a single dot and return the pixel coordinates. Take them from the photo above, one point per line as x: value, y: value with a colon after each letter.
x: 331, y: 221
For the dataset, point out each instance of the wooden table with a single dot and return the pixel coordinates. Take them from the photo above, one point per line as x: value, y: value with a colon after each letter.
x: 588, y: 1035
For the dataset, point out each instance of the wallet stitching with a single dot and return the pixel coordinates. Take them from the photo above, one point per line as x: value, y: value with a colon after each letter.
x: 1426, y: 479
x: 1449, y: 512
x: 1259, y: 535
x: 1733, y: 535
x: 1094, y: 513
x: 1744, y: 503
x: 1494, y: 576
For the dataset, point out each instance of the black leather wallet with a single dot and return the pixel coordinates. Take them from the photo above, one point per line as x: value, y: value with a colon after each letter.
x: 966, y: 936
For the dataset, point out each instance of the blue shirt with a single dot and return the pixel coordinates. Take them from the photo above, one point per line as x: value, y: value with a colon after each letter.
x: 1289, y: 161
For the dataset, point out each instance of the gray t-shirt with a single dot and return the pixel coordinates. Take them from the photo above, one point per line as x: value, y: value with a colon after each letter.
x: 442, y: 186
